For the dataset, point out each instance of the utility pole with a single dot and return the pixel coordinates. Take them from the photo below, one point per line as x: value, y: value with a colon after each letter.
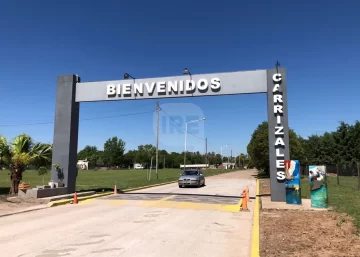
x: 229, y: 159
x: 221, y: 153
x: 235, y: 159
x: 221, y: 156
x: 164, y: 162
x: 185, y: 146
x: 157, y: 139
x: 206, y: 154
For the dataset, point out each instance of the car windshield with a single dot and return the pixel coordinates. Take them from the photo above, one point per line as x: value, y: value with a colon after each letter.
x: 190, y: 172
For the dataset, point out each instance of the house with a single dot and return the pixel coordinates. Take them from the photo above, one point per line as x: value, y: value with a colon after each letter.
x: 228, y: 165
x: 138, y: 166
x: 83, y: 165
x: 194, y: 166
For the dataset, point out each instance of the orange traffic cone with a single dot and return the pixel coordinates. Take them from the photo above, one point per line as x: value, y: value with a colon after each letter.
x: 115, y: 190
x: 247, y: 194
x: 75, y: 198
x: 244, y: 202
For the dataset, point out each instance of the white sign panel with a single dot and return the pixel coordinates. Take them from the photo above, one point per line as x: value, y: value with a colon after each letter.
x: 279, y: 129
x: 243, y: 82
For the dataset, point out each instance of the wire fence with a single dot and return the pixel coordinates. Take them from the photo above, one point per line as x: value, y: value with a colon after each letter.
x: 348, y: 176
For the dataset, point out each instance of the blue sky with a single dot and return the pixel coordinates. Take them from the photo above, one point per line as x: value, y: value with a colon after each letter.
x: 317, y: 41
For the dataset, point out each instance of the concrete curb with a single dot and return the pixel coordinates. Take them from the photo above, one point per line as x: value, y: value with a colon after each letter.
x: 255, y: 239
x: 67, y: 201
x: 23, y: 211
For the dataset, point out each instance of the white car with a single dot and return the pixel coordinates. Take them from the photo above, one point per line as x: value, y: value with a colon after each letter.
x: 191, y: 178
x: 138, y: 166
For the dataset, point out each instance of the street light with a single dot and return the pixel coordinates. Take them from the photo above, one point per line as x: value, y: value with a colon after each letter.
x: 222, y: 153
x: 222, y: 157
x: 186, y: 137
x: 187, y: 72
x: 127, y: 75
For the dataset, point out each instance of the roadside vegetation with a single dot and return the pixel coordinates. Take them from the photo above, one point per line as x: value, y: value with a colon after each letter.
x: 341, y: 147
x: 105, y: 180
x: 24, y: 160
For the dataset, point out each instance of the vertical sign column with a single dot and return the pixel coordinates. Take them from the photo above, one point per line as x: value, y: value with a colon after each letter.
x: 318, y: 186
x: 66, y: 132
x: 292, y: 182
x: 278, y: 132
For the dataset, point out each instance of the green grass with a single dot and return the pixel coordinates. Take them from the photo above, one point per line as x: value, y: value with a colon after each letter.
x: 349, y: 181
x: 343, y: 198
x: 99, y: 180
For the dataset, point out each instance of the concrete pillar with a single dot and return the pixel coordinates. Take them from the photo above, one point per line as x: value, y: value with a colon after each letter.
x: 278, y: 193
x: 66, y: 128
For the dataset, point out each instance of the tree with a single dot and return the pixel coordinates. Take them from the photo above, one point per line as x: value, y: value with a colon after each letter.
x: 89, y: 153
x: 42, y: 171
x: 163, y: 154
x: 214, y: 159
x: 144, y: 154
x: 100, y: 159
x: 174, y: 160
x: 4, y: 152
x: 355, y: 143
x: 347, y: 144
x: 243, y: 159
x: 258, y: 147
x: 295, y: 148
x: 21, y: 153
x: 130, y: 158
x: 114, y: 149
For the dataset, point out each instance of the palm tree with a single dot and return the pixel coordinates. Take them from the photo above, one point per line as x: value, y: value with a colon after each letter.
x: 4, y: 152
x: 21, y: 153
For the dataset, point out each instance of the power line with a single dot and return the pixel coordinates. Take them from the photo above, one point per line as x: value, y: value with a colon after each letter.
x: 86, y: 119
x: 86, y: 111
x: 180, y: 125
x: 208, y: 143
x: 115, y: 116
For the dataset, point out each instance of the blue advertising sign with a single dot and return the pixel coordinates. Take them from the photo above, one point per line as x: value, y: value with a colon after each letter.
x: 292, y: 182
x: 318, y: 186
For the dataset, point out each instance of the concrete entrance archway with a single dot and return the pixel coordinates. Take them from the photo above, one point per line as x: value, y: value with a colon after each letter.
x: 71, y: 92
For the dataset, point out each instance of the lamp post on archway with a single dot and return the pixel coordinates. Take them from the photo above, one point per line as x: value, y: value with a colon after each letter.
x: 186, y: 137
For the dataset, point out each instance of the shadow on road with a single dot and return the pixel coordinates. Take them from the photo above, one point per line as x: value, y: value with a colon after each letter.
x: 4, y: 190
x: 264, y: 195
x: 261, y: 175
x: 100, y: 190
x: 183, y: 194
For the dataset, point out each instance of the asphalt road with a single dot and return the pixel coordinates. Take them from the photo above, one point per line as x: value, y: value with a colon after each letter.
x: 162, y: 221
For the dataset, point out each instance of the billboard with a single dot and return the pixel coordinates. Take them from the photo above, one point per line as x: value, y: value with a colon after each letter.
x: 292, y: 182
x: 318, y: 186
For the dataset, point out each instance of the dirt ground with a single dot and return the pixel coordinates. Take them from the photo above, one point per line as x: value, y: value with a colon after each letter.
x: 9, y: 204
x: 264, y: 186
x: 237, y: 174
x: 306, y: 233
